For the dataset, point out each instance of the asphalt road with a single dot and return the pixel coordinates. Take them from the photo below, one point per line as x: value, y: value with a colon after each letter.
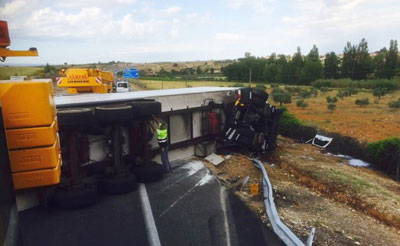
x: 187, y: 207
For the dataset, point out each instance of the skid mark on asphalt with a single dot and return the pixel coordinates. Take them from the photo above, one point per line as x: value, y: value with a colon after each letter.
x: 193, y: 169
x: 207, y: 177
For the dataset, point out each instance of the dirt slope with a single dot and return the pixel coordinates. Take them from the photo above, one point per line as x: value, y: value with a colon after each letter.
x: 347, y: 205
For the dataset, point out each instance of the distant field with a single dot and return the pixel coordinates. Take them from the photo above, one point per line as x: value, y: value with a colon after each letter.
x: 368, y: 123
x: 6, y: 72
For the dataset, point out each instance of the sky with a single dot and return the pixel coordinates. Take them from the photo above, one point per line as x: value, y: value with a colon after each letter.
x: 89, y: 31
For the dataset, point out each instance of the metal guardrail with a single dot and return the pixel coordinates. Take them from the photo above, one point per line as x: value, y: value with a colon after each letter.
x: 280, y: 229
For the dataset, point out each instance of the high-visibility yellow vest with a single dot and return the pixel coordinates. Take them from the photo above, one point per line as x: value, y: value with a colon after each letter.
x: 162, y: 134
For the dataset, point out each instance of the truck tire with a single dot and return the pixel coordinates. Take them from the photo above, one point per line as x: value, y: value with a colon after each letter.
x: 142, y: 109
x: 70, y: 117
x: 74, y: 198
x: 149, y: 173
x: 113, y: 113
x: 118, y: 184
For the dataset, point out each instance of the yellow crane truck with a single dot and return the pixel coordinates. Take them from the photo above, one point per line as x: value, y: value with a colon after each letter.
x: 85, y: 80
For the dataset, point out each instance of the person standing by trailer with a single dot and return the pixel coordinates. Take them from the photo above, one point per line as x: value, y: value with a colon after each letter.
x: 162, y: 138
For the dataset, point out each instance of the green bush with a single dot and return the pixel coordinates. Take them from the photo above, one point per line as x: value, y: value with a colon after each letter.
x: 331, y: 99
x: 362, y: 102
x: 322, y: 83
x: 394, y: 104
x: 289, y: 120
x: 384, y: 152
x: 302, y: 104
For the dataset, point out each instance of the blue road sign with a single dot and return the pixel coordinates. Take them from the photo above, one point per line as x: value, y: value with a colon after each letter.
x: 131, y: 73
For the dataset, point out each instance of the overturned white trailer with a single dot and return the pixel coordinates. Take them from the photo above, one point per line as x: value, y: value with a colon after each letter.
x: 184, y: 110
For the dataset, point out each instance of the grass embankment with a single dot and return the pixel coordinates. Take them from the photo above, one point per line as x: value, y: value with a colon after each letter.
x: 6, y: 72
x: 346, y: 204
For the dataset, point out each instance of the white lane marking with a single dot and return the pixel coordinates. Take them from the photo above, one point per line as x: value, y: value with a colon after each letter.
x: 223, y: 206
x: 152, y: 233
x: 201, y: 182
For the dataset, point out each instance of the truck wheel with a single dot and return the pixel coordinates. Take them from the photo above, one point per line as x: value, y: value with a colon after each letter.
x: 113, y: 113
x: 145, y: 108
x: 149, y: 173
x: 68, y: 117
x: 76, y: 197
x: 118, y: 184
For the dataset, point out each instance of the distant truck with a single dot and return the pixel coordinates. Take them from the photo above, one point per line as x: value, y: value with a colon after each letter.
x: 85, y: 80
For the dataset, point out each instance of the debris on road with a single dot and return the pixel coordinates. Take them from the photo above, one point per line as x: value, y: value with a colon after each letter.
x: 214, y: 159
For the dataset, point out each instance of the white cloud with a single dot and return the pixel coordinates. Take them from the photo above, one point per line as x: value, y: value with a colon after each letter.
x: 258, y: 6
x: 160, y: 13
x: 330, y: 21
x: 196, y: 18
x: 228, y: 37
x: 175, y: 28
x: 11, y: 8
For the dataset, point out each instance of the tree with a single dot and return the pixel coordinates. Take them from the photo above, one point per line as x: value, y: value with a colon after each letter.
x: 324, y: 90
x: 297, y: 59
x: 349, y: 59
x: 331, y: 99
x: 48, y: 68
x: 175, y: 64
x: 313, y: 54
x: 331, y: 107
x: 270, y: 72
x: 281, y: 96
x: 341, y: 94
x: 379, y: 92
x: 198, y: 70
x: 312, y: 71
x: 163, y: 73
x: 314, y: 91
x: 363, y: 62
x: 353, y: 91
x: 302, y: 104
x: 391, y: 59
x: 212, y: 70
x: 379, y: 64
x: 362, y: 102
x: 331, y: 68
x: 304, y: 94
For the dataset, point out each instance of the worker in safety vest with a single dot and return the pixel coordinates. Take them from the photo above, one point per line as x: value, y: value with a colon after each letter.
x: 162, y: 137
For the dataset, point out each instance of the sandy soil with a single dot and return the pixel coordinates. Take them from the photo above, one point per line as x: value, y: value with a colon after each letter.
x: 346, y: 205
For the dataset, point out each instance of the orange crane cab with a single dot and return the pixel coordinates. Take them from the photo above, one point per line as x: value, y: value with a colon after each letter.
x: 83, y: 80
